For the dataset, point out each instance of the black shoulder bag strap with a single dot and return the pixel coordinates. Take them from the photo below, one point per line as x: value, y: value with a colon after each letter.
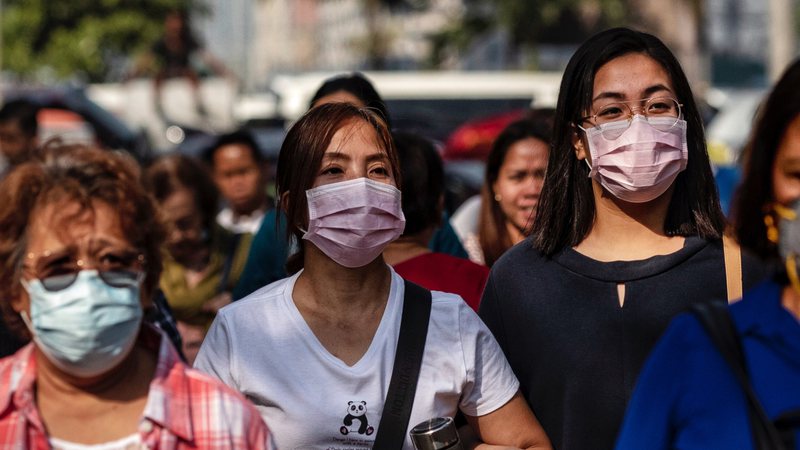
x: 407, y: 362
x: 718, y: 324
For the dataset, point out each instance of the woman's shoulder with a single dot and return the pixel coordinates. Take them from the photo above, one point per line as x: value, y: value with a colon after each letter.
x: 266, y: 296
x: 521, y: 258
x: 449, y: 312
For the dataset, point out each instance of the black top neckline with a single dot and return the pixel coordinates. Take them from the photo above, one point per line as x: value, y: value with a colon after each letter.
x: 624, y: 271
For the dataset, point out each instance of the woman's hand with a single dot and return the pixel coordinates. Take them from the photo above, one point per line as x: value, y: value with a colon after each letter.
x: 512, y: 426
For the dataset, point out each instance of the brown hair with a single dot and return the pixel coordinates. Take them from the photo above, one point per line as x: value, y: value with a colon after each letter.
x: 301, y: 157
x: 60, y: 173
x: 171, y: 173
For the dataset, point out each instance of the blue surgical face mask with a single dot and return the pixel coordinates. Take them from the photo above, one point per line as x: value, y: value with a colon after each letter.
x: 87, y: 328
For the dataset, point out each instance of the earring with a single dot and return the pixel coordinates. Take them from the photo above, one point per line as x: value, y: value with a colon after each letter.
x: 772, y: 230
x: 776, y: 211
x: 498, y: 197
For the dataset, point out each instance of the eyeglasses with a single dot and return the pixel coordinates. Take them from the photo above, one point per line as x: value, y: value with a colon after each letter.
x: 118, y: 268
x: 663, y: 113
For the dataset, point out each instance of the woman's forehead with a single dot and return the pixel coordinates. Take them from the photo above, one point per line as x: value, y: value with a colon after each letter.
x: 354, y: 136
x: 631, y: 77
x: 59, y: 224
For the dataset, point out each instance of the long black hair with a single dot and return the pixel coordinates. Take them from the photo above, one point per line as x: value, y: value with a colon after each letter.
x: 566, y: 208
x: 755, y: 194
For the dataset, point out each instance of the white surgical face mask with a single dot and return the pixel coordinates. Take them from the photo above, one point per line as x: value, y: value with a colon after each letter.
x: 642, y: 162
x: 353, y: 221
x: 87, y: 328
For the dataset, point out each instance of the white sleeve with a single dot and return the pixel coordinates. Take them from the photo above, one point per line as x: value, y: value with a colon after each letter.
x: 490, y: 381
x: 214, y: 357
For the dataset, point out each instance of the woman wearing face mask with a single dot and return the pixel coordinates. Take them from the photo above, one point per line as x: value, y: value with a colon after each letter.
x: 315, y: 351
x: 687, y: 396
x: 80, y: 248
x: 627, y: 234
x: 356, y: 89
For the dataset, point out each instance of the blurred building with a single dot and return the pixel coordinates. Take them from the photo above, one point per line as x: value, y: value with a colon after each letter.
x: 259, y: 38
x: 737, y: 39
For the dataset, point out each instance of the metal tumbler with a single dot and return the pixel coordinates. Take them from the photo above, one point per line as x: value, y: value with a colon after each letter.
x: 439, y: 433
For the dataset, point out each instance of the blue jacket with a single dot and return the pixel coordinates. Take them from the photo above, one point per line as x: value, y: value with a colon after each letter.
x: 687, y: 397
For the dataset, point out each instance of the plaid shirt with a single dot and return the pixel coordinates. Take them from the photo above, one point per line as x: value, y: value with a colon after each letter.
x: 185, y: 409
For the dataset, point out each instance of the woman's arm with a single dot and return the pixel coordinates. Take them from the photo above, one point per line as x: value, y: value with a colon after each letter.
x: 512, y: 424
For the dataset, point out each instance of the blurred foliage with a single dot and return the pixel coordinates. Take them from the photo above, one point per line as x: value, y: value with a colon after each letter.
x: 530, y: 23
x: 81, y: 39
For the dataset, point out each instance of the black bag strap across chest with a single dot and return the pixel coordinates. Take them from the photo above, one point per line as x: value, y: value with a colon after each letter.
x: 718, y: 324
x: 407, y: 362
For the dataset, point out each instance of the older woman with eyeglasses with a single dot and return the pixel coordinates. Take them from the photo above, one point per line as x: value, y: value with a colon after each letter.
x: 627, y: 234
x: 80, y: 250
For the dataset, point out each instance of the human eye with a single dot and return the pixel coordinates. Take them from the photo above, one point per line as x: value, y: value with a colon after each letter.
x: 379, y: 170
x: 613, y: 111
x: 59, y: 265
x: 331, y: 170
x: 660, y: 107
x: 792, y: 173
x: 117, y: 259
x: 517, y: 176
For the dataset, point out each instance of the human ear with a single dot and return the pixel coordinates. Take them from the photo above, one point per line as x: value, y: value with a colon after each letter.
x: 579, y: 146
x: 20, y: 301
x: 284, y: 202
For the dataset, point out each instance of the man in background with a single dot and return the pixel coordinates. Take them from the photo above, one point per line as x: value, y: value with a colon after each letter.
x: 18, y: 132
x: 240, y: 172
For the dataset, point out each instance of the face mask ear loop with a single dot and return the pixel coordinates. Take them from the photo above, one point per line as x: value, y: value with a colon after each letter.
x: 27, y: 320
x: 791, y: 271
x: 34, y: 336
x: 586, y: 160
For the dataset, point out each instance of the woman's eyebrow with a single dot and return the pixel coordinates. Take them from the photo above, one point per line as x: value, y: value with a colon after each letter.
x: 649, y: 91
x: 378, y: 156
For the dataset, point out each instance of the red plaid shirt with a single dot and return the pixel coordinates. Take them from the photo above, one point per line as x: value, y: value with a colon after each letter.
x: 185, y: 409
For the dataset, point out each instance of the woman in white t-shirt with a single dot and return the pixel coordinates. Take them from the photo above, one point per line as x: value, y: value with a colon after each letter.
x: 315, y: 351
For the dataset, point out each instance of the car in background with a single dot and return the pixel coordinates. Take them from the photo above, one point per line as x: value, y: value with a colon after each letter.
x: 67, y: 113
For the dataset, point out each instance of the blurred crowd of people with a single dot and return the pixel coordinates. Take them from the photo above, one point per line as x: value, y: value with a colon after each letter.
x: 578, y: 302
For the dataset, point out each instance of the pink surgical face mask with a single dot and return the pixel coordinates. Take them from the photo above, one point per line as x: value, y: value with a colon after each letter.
x: 353, y: 221
x: 643, y: 161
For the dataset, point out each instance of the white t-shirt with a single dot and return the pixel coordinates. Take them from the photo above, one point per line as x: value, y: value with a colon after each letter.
x: 244, y: 224
x: 132, y: 442
x: 261, y: 346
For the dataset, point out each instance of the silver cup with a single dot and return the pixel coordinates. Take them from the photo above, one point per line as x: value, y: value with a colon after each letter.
x: 439, y: 433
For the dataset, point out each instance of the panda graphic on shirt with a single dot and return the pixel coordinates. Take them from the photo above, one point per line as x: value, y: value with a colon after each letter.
x: 356, y: 419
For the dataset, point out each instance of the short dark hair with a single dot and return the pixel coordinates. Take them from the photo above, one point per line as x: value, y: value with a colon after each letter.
x: 423, y: 181
x: 60, y: 173
x: 358, y: 85
x: 168, y: 174
x: 23, y: 112
x: 754, y: 196
x: 242, y: 136
x: 566, y: 208
x: 301, y: 157
x: 492, y: 231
